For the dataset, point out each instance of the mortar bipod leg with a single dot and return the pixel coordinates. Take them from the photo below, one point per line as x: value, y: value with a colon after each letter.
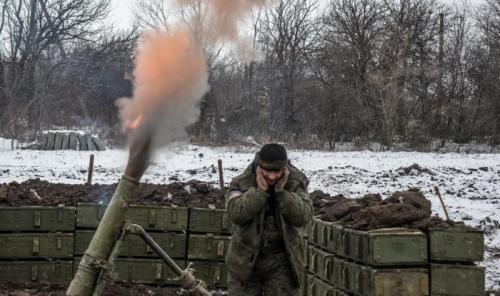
x: 185, y: 277
x: 107, y: 274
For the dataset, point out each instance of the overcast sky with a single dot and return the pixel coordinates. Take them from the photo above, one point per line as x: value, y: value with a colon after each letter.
x: 122, y: 10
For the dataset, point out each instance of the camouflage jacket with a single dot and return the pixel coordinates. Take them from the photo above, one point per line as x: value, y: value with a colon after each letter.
x: 294, y: 209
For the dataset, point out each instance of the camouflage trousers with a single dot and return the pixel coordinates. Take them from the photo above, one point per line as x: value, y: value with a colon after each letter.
x: 271, y: 277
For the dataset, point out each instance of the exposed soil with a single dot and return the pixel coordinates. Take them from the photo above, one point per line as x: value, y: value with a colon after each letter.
x: 36, y: 192
x: 403, y: 209
x: 59, y: 289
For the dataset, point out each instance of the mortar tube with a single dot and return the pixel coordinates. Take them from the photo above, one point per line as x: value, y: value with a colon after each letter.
x: 95, y: 258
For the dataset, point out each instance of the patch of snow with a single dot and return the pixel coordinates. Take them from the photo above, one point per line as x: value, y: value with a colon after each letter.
x: 469, y: 183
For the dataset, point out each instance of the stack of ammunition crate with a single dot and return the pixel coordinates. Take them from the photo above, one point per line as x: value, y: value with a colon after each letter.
x: 393, y: 261
x: 36, y: 243
x: 136, y: 262
x: 208, y: 241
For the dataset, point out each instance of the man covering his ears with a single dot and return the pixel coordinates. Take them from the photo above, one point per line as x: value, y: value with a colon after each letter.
x: 268, y: 204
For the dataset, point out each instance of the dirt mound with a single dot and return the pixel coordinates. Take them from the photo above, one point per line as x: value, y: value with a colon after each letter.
x: 403, y: 209
x: 321, y: 199
x: 36, y: 192
x: 414, y: 169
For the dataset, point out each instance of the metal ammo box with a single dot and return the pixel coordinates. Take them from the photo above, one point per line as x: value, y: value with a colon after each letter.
x: 369, y: 281
x: 207, y: 246
x: 141, y: 271
x: 321, y: 263
x: 385, y: 247
x: 458, y: 243
x: 209, y: 220
x: 36, y: 271
x: 151, y: 218
x: 214, y: 274
x: 37, y: 219
x: 133, y: 246
x: 36, y: 246
x: 457, y: 280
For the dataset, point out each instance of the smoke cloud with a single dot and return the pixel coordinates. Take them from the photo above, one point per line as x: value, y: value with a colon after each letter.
x: 171, y: 74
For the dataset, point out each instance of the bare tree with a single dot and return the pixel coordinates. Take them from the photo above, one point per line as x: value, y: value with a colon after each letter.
x: 288, y: 36
x: 35, y: 30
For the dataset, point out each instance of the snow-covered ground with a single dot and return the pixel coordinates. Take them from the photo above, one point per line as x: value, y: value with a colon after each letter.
x: 470, y: 183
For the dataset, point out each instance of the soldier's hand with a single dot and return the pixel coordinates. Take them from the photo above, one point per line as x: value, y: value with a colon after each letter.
x: 261, y: 181
x: 280, y: 185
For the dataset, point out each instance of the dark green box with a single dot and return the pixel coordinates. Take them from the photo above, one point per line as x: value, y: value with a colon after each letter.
x: 134, y: 246
x: 142, y: 271
x: 321, y: 288
x: 214, y: 274
x: 34, y: 219
x: 36, y: 245
x: 369, y: 281
x: 457, y: 280
x: 320, y: 263
x: 36, y: 271
x: 209, y: 220
x: 386, y: 247
x: 208, y: 246
x: 456, y: 244
x: 151, y: 218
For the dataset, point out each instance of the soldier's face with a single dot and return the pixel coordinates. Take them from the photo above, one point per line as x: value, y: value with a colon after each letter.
x: 272, y: 177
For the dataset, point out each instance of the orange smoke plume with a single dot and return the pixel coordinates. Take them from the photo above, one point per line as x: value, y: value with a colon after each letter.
x: 171, y: 74
x: 170, y: 77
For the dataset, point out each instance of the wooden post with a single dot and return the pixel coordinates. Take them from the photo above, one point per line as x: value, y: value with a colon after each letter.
x: 221, y: 175
x: 442, y: 203
x: 91, y: 170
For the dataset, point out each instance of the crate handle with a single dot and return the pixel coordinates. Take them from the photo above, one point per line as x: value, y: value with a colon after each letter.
x: 159, y: 271
x: 59, y: 243
x: 34, y: 273
x: 36, y: 246
x: 209, y: 240
x: 313, y: 261
x: 148, y: 249
x: 173, y: 216
x: 152, y: 218
x: 216, y: 275
x: 220, y: 248
x: 37, y: 219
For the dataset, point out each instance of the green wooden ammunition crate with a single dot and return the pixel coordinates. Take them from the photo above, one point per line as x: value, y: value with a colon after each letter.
x: 209, y: 220
x: 208, y: 246
x: 142, y: 271
x: 315, y: 232
x: 456, y: 244
x: 321, y: 288
x: 214, y: 274
x: 321, y: 263
x: 457, y: 280
x: 36, y: 245
x: 30, y: 219
x: 369, y: 281
x: 134, y: 246
x: 308, y: 289
x: 149, y: 217
x: 386, y: 247
x: 36, y: 271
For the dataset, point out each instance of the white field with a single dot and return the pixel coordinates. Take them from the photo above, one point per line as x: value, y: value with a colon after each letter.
x: 470, y: 183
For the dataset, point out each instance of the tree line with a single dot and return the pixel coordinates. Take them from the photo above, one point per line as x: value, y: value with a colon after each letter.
x: 385, y: 71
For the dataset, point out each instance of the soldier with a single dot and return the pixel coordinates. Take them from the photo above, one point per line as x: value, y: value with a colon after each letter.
x: 268, y: 204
